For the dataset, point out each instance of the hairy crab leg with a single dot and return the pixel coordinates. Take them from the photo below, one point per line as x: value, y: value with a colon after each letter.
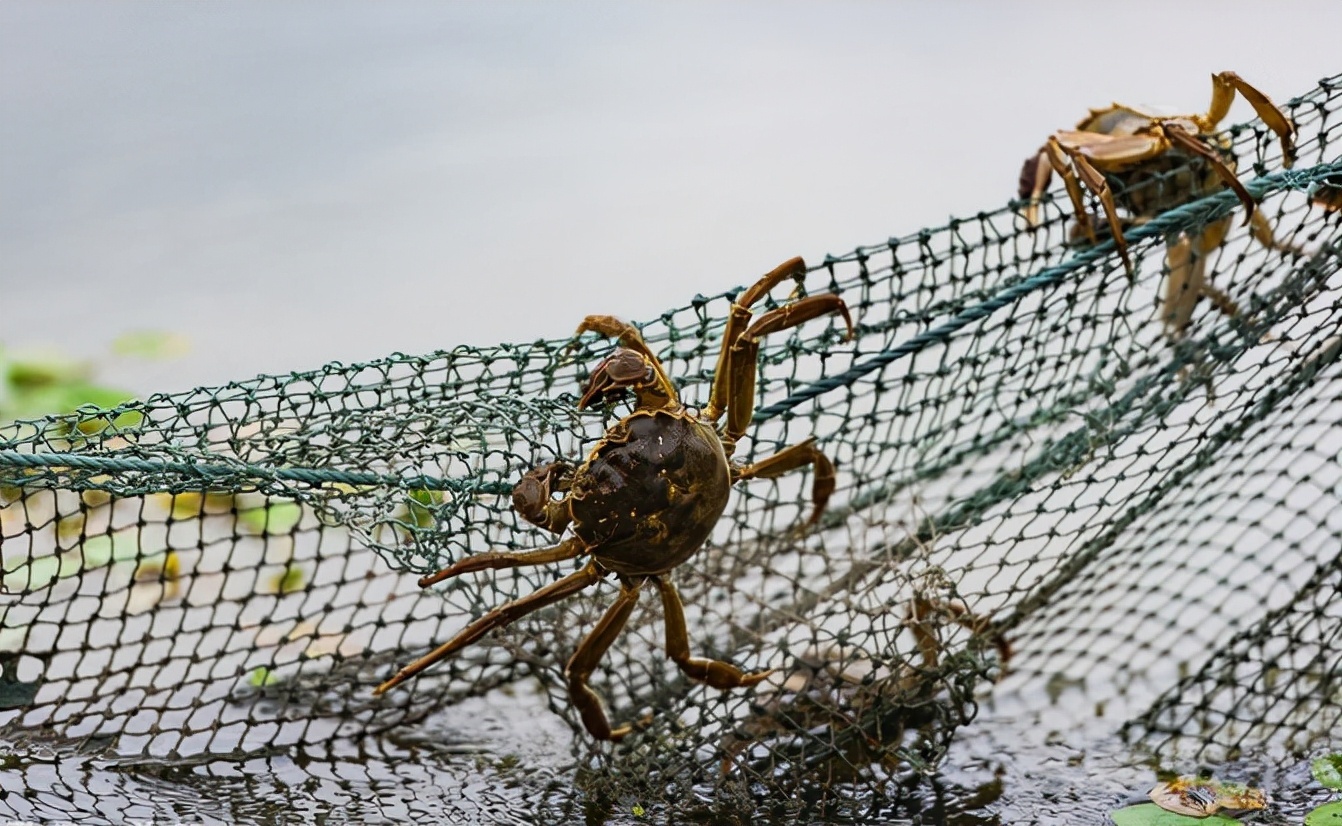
x: 1035, y: 175
x: 716, y: 673
x: 737, y: 320
x: 1097, y: 184
x: 1188, y: 142
x: 1187, y: 280
x: 789, y: 459
x: 568, y: 549
x: 1224, y: 87
x: 745, y: 356
x: 589, y: 653
x: 497, y: 618
x: 629, y: 337
x: 925, y: 614
x: 1059, y: 161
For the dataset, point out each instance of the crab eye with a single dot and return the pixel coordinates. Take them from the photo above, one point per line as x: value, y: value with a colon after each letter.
x: 627, y: 367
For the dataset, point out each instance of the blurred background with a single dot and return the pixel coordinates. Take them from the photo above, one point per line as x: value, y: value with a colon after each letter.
x: 286, y: 185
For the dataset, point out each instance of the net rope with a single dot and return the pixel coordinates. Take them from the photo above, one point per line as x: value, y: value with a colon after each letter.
x: 231, y: 570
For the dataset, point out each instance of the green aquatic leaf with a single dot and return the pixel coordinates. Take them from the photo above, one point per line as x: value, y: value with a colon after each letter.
x: 1329, y: 814
x: 122, y: 546
x: 293, y: 579
x: 1149, y: 814
x: 1328, y: 770
x: 151, y: 344
x: 421, y: 506
x: 262, y: 677
x: 68, y: 398
x: 94, y: 552
x: 275, y: 518
x: 47, y: 370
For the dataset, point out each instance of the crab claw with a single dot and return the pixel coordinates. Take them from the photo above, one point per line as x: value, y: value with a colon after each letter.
x: 621, y: 370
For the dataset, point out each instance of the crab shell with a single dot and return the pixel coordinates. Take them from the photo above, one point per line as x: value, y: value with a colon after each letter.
x: 650, y: 492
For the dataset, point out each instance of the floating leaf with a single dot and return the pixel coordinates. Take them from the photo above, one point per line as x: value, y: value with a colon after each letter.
x: 94, y: 552
x: 1329, y: 814
x: 122, y: 546
x: 262, y: 677
x: 1328, y: 770
x: 45, y: 370
x: 420, y: 507
x: 275, y: 518
x: 70, y: 527
x: 292, y: 580
x: 162, y: 567
x: 41, y: 572
x: 1149, y: 814
x: 287, y: 580
x: 152, y: 344
x: 192, y: 504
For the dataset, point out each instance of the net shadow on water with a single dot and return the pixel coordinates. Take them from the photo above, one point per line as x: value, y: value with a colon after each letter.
x: 1119, y: 534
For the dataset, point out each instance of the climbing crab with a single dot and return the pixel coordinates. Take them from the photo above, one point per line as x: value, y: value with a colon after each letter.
x: 863, y: 707
x: 1156, y: 163
x: 649, y: 493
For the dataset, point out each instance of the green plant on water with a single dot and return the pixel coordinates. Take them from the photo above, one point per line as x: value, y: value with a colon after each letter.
x: 36, y: 384
x: 1328, y: 771
x: 1149, y: 814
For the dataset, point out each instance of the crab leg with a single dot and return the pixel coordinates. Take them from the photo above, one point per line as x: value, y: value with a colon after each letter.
x: 1224, y: 87
x: 1178, y: 135
x: 499, y: 617
x: 789, y: 459
x: 1035, y: 174
x: 1097, y: 184
x: 744, y: 359
x: 716, y: 673
x: 1187, y: 282
x: 737, y: 320
x: 925, y: 614
x: 568, y: 549
x: 628, y: 336
x: 1058, y: 160
x: 589, y: 653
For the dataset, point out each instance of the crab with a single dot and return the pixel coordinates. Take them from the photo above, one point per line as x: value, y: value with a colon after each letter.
x: 1157, y: 163
x: 833, y: 689
x: 1328, y: 193
x: 649, y: 493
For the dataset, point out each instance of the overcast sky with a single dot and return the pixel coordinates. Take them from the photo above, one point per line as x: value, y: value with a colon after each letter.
x: 290, y: 184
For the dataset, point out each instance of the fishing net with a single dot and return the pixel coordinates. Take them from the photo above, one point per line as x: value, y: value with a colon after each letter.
x: 1039, y: 480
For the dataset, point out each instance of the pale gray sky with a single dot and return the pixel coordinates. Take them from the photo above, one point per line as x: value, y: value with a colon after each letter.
x: 289, y: 184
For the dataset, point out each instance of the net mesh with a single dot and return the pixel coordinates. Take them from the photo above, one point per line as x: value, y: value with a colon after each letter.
x: 1019, y: 438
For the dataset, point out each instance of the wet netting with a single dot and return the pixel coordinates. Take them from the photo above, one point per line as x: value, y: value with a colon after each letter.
x: 1043, y: 477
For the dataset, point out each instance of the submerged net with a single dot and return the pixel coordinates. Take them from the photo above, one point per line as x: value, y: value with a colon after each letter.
x: 1154, y: 514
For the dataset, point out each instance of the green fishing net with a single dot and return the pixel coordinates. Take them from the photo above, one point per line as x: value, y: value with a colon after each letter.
x: 1077, y: 494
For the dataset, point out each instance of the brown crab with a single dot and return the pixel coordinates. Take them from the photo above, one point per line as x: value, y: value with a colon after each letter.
x: 649, y: 493
x: 833, y: 689
x: 1158, y: 163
